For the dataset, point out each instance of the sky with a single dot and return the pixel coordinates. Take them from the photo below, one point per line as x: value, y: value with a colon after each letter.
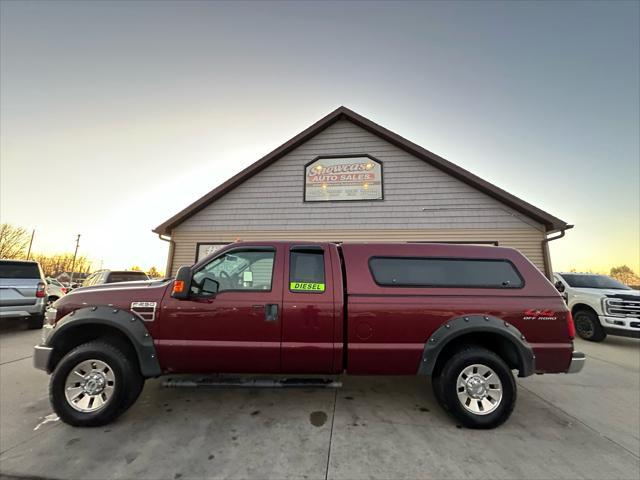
x: 116, y: 115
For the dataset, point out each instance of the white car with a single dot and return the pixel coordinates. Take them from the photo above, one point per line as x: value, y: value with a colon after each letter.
x: 54, y: 290
x: 600, y: 305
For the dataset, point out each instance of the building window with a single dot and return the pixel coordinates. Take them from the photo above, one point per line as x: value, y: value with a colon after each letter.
x: 444, y: 272
x: 306, y: 271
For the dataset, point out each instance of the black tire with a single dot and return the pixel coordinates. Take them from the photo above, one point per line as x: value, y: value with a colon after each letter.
x: 126, y: 388
x: 135, y: 388
x: 35, y: 322
x: 588, y: 326
x: 455, y: 366
x: 438, y: 392
x: 133, y: 392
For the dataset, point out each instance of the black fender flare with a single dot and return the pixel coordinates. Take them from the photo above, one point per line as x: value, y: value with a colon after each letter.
x: 476, y: 324
x: 126, y: 322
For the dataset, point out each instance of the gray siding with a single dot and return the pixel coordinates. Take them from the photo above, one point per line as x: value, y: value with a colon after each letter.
x: 421, y: 203
x: 273, y: 198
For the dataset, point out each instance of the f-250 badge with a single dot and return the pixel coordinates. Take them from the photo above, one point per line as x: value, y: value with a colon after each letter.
x: 145, y: 310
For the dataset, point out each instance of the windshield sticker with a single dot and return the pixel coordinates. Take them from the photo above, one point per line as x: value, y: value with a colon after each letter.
x: 306, y: 287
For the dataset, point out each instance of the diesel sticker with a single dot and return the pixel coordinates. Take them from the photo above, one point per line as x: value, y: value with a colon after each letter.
x: 306, y: 287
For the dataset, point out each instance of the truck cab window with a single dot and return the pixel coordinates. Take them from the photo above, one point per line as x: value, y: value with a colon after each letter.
x: 245, y: 270
x: 306, y: 271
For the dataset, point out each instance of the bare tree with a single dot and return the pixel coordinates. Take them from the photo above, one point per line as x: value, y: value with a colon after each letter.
x: 13, y: 241
x: 155, y: 273
x: 624, y: 274
x: 54, y: 265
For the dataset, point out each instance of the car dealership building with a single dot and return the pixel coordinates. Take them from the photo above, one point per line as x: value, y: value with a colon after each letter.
x: 346, y: 178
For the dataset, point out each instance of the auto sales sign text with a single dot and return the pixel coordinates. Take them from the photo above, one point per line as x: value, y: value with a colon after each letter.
x: 343, y: 178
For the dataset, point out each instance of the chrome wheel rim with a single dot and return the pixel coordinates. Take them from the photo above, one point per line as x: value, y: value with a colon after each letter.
x: 89, y: 386
x: 479, y: 389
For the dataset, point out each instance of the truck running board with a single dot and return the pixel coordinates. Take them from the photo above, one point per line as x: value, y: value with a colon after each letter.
x: 240, y: 382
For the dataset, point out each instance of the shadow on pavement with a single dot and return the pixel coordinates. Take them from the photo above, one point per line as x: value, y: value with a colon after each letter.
x: 12, y: 325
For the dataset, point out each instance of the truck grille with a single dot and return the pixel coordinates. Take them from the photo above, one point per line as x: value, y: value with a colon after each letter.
x: 622, y: 307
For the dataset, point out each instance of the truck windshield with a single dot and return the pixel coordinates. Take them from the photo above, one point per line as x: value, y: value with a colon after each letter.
x: 117, y: 277
x: 593, y: 281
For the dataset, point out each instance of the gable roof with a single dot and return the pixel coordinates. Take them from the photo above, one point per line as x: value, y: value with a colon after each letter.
x: 550, y: 222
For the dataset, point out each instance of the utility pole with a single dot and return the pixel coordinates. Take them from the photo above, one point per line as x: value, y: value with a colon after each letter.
x: 73, y: 264
x: 31, y: 243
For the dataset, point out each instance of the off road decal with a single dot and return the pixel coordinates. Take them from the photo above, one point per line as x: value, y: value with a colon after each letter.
x: 306, y: 287
x: 533, y: 314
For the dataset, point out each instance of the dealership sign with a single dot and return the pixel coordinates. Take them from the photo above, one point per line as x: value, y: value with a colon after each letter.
x: 343, y: 178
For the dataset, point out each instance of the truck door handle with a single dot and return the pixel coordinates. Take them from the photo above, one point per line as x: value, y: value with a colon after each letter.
x: 271, y: 312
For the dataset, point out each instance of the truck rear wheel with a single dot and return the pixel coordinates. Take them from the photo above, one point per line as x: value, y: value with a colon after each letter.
x: 588, y: 326
x: 93, y: 384
x: 478, y: 388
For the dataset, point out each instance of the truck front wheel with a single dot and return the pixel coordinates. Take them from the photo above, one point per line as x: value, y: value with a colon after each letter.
x: 93, y: 384
x: 478, y: 388
x: 588, y: 326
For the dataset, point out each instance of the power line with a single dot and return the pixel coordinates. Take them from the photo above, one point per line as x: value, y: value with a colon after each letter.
x: 73, y: 264
x: 31, y: 243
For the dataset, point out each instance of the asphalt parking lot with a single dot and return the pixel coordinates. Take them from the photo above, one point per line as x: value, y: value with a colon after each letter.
x: 564, y: 426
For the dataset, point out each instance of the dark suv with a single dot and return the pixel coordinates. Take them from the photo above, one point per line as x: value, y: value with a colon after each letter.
x: 23, y: 291
x: 112, y: 276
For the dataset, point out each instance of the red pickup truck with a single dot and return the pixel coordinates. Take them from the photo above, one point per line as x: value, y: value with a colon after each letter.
x: 466, y: 316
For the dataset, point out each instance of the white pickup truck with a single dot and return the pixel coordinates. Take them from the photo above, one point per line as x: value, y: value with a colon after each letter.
x: 600, y: 305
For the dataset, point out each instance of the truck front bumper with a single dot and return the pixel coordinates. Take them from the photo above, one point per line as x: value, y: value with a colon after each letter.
x: 41, y: 356
x: 577, y: 362
x: 621, y: 326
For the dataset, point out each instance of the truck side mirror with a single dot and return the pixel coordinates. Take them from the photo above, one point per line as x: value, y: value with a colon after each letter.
x: 209, y: 287
x: 182, y: 283
x: 559, y: 286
